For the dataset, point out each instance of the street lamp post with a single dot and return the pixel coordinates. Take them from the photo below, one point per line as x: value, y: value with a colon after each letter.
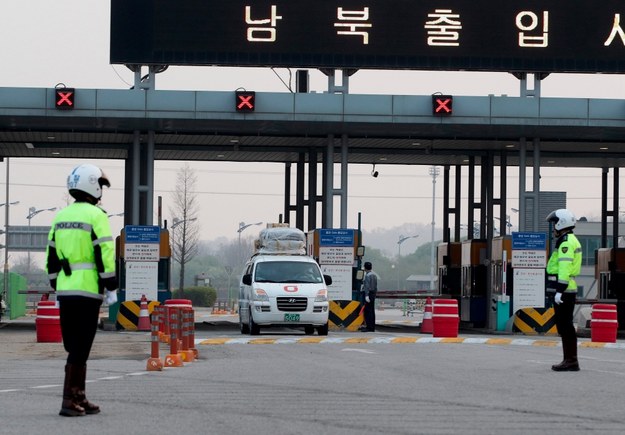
x: 242, y: 227
x: 401, y: 240
x: 434, y: 172
x: 5, y: 296
x: 32, y: 212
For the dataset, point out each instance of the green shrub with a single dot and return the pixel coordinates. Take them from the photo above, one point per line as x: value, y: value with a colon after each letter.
x: 199, y: 296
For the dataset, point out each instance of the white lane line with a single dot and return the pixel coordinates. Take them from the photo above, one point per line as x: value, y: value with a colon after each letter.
x: 347, y: 349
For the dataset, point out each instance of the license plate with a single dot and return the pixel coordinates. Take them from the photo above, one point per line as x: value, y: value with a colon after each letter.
x: 291, y: 317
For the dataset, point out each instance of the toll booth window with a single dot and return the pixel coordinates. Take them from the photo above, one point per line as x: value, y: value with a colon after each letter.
x: 589, y: 247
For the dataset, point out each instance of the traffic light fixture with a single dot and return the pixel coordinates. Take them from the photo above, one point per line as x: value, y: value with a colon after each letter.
x: 442, y: 105
x: 245, y: 101
x: 64, y: 98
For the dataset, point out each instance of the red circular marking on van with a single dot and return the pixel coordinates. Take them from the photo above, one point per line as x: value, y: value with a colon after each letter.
x: 290, y: 288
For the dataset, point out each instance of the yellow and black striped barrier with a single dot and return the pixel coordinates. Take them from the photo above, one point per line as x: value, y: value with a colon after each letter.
x: 535, y: 321
x: 345, y: 315
x: 128, y: 314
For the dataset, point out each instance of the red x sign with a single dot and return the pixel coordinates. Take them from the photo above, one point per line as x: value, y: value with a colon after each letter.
x: 442, y: 105
x: 245, y: 101
x: 64, y: 98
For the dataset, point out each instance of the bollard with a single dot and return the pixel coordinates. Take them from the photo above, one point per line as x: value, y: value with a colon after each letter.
x: 192, y: 347
x: 154, y: 362
x: 187, y: 354
x: 173, y: 359
x: 166, y: 331
x: 603, y: 323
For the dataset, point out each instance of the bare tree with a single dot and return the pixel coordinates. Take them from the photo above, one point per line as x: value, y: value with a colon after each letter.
x: 185, y: 227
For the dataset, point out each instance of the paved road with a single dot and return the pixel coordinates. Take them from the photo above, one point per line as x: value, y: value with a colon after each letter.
x: 385, y: 382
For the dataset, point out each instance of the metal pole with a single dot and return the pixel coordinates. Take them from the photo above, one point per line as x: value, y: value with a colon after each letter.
x: 5, y: 288
x: 434, y: 171
x: 30, y: 239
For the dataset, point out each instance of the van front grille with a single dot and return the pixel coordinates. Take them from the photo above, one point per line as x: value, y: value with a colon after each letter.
x: 292, y: 304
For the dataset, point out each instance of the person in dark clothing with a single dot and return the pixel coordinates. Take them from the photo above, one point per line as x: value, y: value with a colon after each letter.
x: 369, y: 290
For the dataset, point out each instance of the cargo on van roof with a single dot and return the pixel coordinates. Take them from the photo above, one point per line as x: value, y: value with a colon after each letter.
x: 282, y: 241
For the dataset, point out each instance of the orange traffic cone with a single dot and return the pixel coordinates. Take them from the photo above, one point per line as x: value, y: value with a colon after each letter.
x: 144, y: 315
x: 426, y: 325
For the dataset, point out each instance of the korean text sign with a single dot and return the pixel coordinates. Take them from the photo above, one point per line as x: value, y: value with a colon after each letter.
x: 487, y: 35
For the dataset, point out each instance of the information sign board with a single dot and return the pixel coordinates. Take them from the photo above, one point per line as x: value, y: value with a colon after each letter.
x: 529, y: 250
x: 529, y: 289
x: 336, y: 255
x: 336, y: 237
x: 341, y: 288
x: 481, y: 35
x: 142, y: 243
x: 141, y: 279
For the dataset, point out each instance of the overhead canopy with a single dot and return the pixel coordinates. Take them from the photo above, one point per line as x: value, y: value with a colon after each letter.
x: 389, y: 129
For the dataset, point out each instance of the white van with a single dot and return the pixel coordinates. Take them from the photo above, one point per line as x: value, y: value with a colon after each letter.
x: 283, y: 290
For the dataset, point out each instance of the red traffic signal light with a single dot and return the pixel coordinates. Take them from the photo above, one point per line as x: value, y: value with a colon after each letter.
x: 64, y: 98
x: 442, y: 105
x: 245, y: 101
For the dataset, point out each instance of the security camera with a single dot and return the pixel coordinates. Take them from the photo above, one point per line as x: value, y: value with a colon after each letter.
x: 374, y: 173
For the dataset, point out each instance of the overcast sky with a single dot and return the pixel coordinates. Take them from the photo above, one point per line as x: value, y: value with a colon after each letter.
x: 46, y: 42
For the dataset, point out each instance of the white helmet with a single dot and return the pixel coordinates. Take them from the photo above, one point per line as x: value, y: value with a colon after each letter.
x: 87, y: 178
x: 562, y: 219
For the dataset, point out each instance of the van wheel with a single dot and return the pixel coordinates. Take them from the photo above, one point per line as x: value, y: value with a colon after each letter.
x: 245, y: 329
x: 309, y: 330
x: 322, y: 330
x: 254, y: 328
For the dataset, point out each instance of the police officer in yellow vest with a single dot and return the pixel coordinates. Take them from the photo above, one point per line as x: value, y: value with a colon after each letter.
x: 81, y: 268
x: 563, y: 267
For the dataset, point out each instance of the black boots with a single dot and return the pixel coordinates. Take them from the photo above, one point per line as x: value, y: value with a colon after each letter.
x: 75, y: 403
x: 81, y: 398
x: 569, y: 349
x: 70, y: 406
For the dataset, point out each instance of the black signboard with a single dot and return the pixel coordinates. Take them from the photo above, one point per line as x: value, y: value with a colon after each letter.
x: 481, y: 35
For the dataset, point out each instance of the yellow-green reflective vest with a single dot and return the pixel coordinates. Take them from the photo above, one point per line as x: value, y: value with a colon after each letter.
x: 566, y: 261
x: 81, y: 234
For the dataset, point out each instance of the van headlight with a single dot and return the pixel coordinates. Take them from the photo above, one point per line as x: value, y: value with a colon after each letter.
x: 322, y: 296
x: 260, y: 295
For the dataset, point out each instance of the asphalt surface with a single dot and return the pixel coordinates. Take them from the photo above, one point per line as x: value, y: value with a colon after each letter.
x: 393, y: 381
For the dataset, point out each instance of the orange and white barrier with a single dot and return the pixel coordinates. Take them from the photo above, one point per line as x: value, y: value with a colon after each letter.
x: 173, y: 322
x: 445, y: 318
x: 48, y: 322
x: 603, y: 323
x: 173, y: 359
x: 144, y: 315
x: 426, y: 323
x: 154, y: 362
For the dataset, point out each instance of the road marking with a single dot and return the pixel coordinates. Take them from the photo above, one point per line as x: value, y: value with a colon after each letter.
x: 389, y: 339
x: 90, y: 381
x: 348, y: 349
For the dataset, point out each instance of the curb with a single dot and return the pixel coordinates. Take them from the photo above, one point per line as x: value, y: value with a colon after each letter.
x: 404, y: 340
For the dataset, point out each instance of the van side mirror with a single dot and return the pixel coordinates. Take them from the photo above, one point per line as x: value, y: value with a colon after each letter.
x: 327, y: 279
x: 247, y: 279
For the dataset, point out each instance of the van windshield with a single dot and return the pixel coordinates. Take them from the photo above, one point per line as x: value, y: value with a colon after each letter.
x: 288, y: 272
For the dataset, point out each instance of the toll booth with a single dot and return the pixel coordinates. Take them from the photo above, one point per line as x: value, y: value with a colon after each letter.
x: 162, y: 292
x: 474, y: 283
x: 339, y: 252
x: 610, y: 274
x: 502, y: 279
x: 449, y: 264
